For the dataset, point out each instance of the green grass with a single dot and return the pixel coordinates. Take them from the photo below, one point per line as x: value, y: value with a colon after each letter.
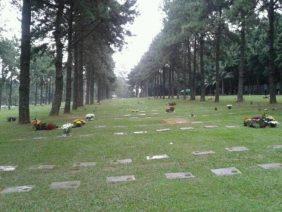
x: 254, y: 190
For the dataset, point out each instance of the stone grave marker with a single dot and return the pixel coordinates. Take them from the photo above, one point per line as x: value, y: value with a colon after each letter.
x: 119, y: 133
x: 65, y: 185
x: 211, y: 126
x: 226, y: 171
x: 237, y: 149
x: 17, y: 189
x: 157, y: 157
x: 231, y: 126
x: 42, y: 167
x: 187, y: 128
x: 271, y: 166
x: 140, y: 132
x: 7, y: 168
x: 277, y: 146
x: 121, y: 179
x: 179, y: 175
x: 163, y: 130
x: 123, y: 161
x: 203, y: 153
x: 84, y: 164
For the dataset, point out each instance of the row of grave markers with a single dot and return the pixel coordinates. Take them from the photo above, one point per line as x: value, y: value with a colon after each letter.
x: 168, y: 129
x: 119, y: 179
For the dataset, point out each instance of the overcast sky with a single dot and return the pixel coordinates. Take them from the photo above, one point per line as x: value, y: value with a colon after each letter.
x: 146, y: 26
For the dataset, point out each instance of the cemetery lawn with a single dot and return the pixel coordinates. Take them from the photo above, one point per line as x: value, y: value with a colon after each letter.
x: 255, y: 189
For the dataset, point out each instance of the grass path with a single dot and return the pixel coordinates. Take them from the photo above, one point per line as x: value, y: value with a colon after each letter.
x: 253, y: 190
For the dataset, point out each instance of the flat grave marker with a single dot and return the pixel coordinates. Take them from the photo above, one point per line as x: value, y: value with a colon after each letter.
x: 237, y: 149
x: 84, y: 164
x: 211, y: 126
x: 271, y: 166
x: 163, y: 130
x: 100, y: 126
x: 39, y: 138
x: 42, y: 167
x: 157, y: 157
x: 7, y: 168
x: 231, y: 126
x: 187, y: 128
x: 226, y: 171
x: 121, y: 179
x: 140, y: 132
x: 203, y: 153
x: 279, y: 146
x: 123, y: 161
x: 179, y: 175
x: 197, y: 122
x: 65, y: 185
x: 119, y: 133
x: 17, y: 189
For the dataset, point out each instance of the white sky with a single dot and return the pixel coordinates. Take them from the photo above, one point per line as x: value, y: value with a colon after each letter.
x: 146, y: 26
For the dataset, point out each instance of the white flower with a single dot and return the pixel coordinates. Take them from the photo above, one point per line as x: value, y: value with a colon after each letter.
x: 90, y: 116
x: 67, y: 126
x: 273, y: 122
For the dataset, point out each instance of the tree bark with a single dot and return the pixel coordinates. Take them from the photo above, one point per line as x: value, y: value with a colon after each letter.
x: 271, y: 53
x: 35, y: 94
x: 92, y: 85
x: 24, y: 116
x: 41, y: 92
x: 242, y: 60
x: 217, y: 58
x: 56, y: 104
x: 203, y: 89
x: 193, y: 87
x: 10, y: 93
x: 67, y: 108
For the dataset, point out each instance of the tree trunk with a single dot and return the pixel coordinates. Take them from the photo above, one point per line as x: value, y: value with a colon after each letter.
x: 24, y: 116
x: 189, y: 66
x: 67, y: 108
x: 80, y: 101
x: 2, y: 85
x: 35, y: 94
x: 193, y: 87
x: 217, y: 58
x: 164, y: 71
x: 242, y: 61
x: 203, y: 89
x: 41, y: 92
x: 92, y: 85
x: 10, y: 93
x: 271, y: 54
x: 56, y: 104
x: 88, y: 82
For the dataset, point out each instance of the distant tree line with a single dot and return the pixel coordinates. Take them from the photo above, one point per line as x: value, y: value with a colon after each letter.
x: 214, y: 47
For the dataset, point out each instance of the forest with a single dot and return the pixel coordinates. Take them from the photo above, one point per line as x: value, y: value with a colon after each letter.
x: 214, y: 47
x: 64, y: 55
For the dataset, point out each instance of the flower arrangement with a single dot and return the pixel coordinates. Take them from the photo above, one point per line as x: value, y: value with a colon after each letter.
x: 78, y: 123
x: 229, y: 106
x: 39, y: 125
x: 261, y: 122
x: 169, y: 109
x: 67, y: 128
x: 90, y: 117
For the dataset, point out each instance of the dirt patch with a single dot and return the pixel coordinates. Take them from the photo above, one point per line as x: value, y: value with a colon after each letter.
x: 175, y: 121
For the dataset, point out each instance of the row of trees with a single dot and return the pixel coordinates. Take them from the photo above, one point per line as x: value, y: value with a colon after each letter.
x: 84, y: 32
x: 224, y: 46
